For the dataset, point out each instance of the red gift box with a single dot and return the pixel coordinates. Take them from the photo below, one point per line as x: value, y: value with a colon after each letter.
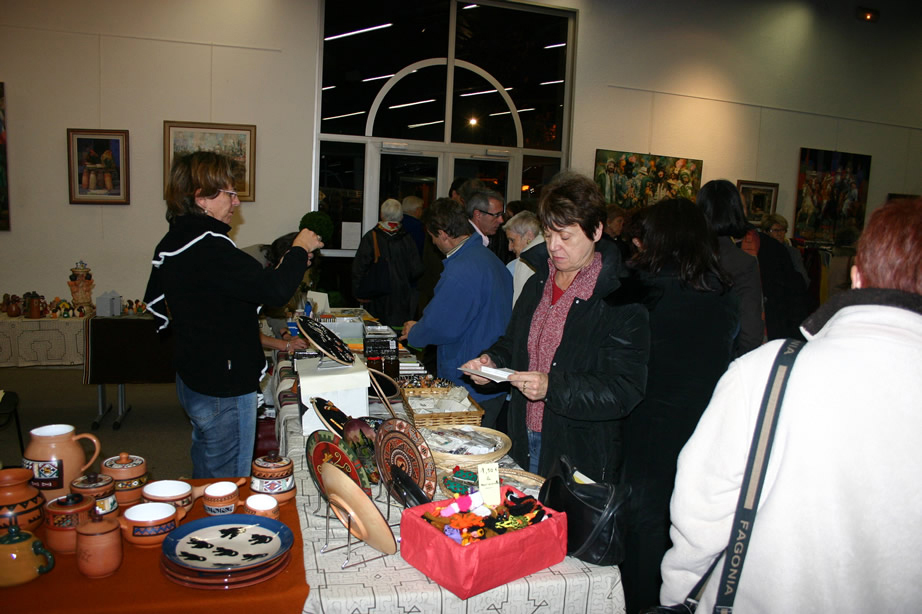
x: 470, y: 570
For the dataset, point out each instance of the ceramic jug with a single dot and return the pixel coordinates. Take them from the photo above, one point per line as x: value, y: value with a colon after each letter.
x: 99, y: 547
x: 21, y: 558
x: 21, y: 503
x: 56, y: 457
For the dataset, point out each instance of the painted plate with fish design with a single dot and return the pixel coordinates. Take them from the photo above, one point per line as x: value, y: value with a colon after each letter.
x: 327, y: 447
x: 228, y: 542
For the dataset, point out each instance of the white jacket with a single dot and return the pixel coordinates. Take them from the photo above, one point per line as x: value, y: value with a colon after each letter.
x: 839, y: 526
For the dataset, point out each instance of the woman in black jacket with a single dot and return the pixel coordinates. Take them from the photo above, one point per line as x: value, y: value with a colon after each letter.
x: 693, y: 320
x: 212, y: 292
x: 579, y: 353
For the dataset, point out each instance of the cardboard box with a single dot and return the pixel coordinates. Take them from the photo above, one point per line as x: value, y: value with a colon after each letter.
x: 470, y: 570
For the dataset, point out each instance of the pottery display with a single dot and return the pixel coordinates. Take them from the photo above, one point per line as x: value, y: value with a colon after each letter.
x: 262, y: 505
x: 221, y: 498
x: 148, y: 524
x: 273, y: 475
x: 21, y: 503
x: 56, y: 458
x: 130, y: 475
x: 62, y: 517
x: 99, y: 547
x: 22, y: 557
x: 99, y: 486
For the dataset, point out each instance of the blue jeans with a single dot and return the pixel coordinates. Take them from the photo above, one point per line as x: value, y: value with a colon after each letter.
x: 223, y: 432
x: 534, y: 450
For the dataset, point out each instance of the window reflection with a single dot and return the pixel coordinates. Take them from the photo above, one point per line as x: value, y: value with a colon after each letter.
x: 415, y: 107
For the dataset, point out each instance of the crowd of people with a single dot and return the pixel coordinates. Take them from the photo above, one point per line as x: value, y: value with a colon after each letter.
x: 640, y: 343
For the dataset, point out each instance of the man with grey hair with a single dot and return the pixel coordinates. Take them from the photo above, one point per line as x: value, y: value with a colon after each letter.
x: 485, y: 209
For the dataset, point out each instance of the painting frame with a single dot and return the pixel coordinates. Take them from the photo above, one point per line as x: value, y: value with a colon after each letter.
x: 761, y: 198
x: 92, y: 176
x: 636, y: 180
x: 237, y: 141
x: 832, y: 195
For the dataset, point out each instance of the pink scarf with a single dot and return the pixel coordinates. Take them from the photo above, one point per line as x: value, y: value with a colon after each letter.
x: 547, y: 327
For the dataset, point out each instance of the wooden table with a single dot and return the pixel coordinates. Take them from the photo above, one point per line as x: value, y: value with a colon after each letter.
x: 140, y: 587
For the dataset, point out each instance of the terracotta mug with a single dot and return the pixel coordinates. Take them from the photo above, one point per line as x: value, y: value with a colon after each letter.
x: 99, y: 547
x: 62, y: 517
x: 147, y: 524
x: 221, y: 498
x: 56, y: 457
x: 262, y: 505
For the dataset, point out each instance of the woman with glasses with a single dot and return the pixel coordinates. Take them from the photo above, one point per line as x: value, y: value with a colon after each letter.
x: 211, y: 291
x: 776, y: 226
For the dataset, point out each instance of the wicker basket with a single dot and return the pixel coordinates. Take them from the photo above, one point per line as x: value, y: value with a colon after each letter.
x: 523, y: 480
x: 433, y: 419
x: 444, y: 461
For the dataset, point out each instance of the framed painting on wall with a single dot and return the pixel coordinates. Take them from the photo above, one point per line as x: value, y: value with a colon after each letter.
x: 832, y: 196
x: 237, y: 141
x: 632, y: 180
x: 97, y: 167
x: 760, y: 197
x: 4, y: 184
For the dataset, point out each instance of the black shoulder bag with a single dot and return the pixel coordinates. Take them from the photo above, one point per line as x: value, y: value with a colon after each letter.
x: 750, y: 491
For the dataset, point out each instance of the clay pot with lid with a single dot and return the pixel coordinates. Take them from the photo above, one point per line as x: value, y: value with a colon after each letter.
x: 21, y: 503
x: 55, y: 456
x: 99, y: 546
x: 22, y: 557
x: 273, y: 475
x: 99, y: 486
x: 130, y: 475
x: 62, y: 517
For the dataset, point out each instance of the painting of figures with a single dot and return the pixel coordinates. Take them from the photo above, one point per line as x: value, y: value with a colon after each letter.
x: 832, y: 196
x: 633, y: 180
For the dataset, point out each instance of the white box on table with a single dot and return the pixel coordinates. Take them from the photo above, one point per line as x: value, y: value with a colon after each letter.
x: 345, y: 386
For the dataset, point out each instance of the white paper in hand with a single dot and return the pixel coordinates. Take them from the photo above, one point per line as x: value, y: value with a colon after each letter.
x: 495, y: 375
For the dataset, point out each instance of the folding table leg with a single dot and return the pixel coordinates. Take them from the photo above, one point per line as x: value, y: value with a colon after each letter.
x: 101, y: 406
x: 123, y: 408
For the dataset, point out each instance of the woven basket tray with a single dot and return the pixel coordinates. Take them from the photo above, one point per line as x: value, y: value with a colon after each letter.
x: 523, y: 480
x: 449, y: 418
x: 446, y: 461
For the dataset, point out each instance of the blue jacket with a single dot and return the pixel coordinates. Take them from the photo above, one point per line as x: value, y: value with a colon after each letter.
x: 469, y: 311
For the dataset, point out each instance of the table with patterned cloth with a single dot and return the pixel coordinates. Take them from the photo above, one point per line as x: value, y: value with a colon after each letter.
x: 390, y: 584
x: 28, y: 342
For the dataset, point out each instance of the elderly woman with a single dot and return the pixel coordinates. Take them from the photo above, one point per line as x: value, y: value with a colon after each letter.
x: 523, y: 230
x: 212, y: 292
x: 776, y: 226
x: 579, y: 354
x: 396, y: 247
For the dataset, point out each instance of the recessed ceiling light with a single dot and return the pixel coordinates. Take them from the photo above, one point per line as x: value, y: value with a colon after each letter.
x: 867, y: 15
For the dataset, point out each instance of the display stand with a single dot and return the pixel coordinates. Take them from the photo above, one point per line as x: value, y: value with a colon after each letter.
x: 325, y: 549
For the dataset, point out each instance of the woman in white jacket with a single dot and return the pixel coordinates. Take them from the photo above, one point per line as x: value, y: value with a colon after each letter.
x: 837, y: 526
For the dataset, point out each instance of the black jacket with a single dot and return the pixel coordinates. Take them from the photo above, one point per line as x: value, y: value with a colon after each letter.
x: 213, y: 292
x: 598, y: 374
x: 404, y: 266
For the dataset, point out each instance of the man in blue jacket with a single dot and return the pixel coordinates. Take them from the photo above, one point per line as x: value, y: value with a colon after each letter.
x: 471, y: 304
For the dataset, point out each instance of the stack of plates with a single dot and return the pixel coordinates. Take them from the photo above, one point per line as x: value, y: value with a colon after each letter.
x: 225, y: 552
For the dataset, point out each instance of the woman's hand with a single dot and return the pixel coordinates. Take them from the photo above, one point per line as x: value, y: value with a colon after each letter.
x: 308, y: 240
x: 474, y: 365
x: 406, y: 330
x: 532, y: 384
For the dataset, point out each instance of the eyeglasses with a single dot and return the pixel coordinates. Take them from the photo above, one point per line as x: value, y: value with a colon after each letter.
x: 492, y: 214
x: 777, y: 230
x: 230, y: 193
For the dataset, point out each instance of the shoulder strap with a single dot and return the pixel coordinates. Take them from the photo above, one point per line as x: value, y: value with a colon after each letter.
x: 751, y: 488
x: 374, y: 238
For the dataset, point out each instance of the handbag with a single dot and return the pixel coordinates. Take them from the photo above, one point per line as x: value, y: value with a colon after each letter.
x: 746, y: 506
x: 596, y: 513
x: 376, y: 280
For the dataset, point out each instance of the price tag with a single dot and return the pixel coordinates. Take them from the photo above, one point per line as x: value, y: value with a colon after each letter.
x: 488, y: 482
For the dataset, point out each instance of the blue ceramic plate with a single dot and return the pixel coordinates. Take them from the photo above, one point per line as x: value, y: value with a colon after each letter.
x: 228, y: 542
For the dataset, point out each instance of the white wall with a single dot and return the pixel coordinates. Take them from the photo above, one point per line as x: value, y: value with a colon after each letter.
x: 740, y: 85
x: 129, y: 66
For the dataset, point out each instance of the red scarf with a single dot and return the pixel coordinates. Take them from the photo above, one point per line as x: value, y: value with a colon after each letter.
x: 547, y: 326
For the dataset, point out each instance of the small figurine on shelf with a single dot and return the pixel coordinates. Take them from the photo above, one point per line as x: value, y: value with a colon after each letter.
x: 140, y: 307
x: 81, y: 285
x: 31, y: 305
x: 5, y: 302
x: 128, y: 309
x: 14, y: 309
